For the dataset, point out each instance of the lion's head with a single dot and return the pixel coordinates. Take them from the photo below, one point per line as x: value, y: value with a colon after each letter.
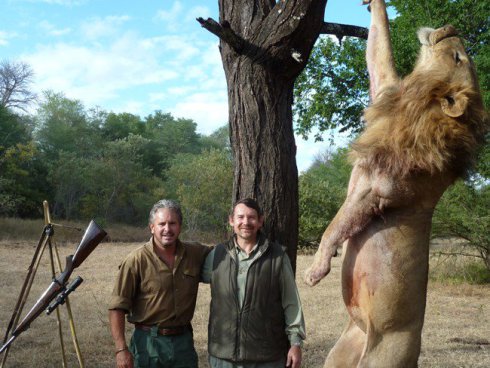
x: 434, y: 119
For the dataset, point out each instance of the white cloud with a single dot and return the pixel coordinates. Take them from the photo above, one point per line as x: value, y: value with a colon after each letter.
x: 5, y: 37
x: 171, y: 18
x: 158, y: 97
x: 177, y: 48
x: 51, y: 30
x: 103, y: 27
x: 94, y: 75
x: 196, y: 12
x: 181, y: 91
x: 208, y: 110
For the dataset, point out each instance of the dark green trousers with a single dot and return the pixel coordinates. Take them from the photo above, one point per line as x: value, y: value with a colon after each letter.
x: 152, y: 350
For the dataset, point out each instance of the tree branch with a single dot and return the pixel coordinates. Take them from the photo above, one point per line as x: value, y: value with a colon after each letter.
x: 441, y: 253
x: 224, y: 32
x: 344, y: 30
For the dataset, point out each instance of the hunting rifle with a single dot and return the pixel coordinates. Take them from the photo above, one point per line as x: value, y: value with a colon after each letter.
x: 92, y: 237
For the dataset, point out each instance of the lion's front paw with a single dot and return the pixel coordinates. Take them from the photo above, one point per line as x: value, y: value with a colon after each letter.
x: 368, y: 3
x: 313, y: 275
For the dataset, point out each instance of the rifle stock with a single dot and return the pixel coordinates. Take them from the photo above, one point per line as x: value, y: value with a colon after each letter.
x: 91, y: 238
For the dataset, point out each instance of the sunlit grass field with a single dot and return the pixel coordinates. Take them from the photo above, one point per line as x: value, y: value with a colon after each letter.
x: 456, y: 331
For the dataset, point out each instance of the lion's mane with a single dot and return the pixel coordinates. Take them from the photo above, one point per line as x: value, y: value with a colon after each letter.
x: 407, y: 131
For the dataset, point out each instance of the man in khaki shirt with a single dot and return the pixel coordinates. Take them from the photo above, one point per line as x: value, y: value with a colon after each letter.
x: 157, y: 288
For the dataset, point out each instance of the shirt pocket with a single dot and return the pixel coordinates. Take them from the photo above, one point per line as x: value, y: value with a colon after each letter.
x: 190, y: 278
x: 190, y: 272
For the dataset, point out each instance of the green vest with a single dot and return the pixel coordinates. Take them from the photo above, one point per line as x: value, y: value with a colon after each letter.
x: 256, y: 331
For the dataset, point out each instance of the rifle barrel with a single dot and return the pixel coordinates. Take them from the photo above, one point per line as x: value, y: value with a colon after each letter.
x: 6, y: 345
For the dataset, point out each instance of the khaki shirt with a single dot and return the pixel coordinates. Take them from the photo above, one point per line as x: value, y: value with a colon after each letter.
x: 153, y: 294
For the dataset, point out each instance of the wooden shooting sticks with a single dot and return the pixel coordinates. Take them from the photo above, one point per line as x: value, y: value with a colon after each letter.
x: 45, y: 239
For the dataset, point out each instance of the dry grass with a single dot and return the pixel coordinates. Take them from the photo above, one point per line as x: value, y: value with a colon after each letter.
x: 456, y: 332
x: 15, y: 230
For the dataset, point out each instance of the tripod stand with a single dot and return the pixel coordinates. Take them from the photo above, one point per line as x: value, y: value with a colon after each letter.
x: 45, y: 240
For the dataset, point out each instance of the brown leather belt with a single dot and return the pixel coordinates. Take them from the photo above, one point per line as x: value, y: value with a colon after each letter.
x: 179, y: 330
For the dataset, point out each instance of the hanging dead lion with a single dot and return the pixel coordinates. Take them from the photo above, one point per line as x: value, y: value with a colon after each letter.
x: 421, y: 134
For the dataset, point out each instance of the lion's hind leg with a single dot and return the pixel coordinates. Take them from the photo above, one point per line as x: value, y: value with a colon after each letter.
x: 348, y: 348
x: 391, y: 349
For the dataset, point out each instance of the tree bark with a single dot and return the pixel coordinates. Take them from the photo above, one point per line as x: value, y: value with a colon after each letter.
x: 264, y: 46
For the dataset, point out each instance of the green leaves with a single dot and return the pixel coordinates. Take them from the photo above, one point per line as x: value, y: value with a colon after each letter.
x: 322, y: 190
x: 332, y: 91
x: 203, y: 183
x: 463, y: 212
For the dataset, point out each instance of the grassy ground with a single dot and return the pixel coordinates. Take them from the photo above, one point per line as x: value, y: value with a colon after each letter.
x: 456, y: 332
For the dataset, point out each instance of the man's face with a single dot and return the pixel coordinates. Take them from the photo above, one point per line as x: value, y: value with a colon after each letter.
x: 246, y: 222
x: 165, y: 228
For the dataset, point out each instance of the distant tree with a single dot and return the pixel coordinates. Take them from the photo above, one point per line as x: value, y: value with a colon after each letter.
x: 114, y: 186
x: 13, y: 129
x: 22, y: 173
x: 332, y: 91
x: 120, y: 186
x: 68, y: 174
x: 167, y: 137
x: 120, y: 126
x: 322, y: 190
x: 15, y: 81
x: 203, y: 183
x: 219, y: 139
x: 62, y: 124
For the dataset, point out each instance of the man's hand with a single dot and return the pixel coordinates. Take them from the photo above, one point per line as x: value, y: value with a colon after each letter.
x: 124, y: 359
x: 294, y: 357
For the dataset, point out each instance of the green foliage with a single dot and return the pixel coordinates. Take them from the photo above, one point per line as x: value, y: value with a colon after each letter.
x: 120, y: 187
x: 463, y: 212
x: 202, y: 183
x: 322, y: 190
x: 167, y: 137
x: 332, y: 90
x: 20, y: 167
x: 120, y: 126
x: 220, y: 139
x: 63, y: 125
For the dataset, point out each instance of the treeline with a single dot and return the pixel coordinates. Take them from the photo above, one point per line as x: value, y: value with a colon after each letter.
x: 95, y: 164
x: 90, y: 163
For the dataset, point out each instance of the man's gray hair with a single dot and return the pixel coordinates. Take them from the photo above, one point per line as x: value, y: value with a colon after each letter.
x: 165, y: 203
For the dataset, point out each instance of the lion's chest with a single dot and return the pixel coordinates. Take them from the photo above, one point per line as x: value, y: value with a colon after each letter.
x: 384, y: 271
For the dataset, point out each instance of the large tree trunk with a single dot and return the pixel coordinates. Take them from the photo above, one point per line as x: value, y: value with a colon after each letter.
x: 264, y: 46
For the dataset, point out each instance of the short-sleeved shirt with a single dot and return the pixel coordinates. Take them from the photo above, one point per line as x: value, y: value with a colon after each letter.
x: 152, y: 293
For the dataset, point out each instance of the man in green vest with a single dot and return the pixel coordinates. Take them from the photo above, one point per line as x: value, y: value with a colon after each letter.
x: 256, y: 319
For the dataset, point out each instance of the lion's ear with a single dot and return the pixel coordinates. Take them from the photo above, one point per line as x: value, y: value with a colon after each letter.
x: 454, y: 105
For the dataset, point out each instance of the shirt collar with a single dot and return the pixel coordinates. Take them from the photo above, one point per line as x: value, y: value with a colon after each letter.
x: 240, y: 250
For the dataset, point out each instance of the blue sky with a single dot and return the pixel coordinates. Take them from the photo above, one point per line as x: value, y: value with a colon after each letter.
x: 135, y: 56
